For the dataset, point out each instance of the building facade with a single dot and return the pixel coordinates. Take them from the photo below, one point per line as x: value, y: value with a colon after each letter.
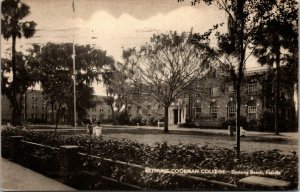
x: 36, y: 109
x: 215, y: 102
x: 101, y: 111
x: 209, y: 102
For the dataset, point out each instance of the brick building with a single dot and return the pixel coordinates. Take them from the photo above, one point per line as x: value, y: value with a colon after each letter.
x: 210, y: 101
x: 101, y: 111
x: 37, y: 109
x: 215, y: 101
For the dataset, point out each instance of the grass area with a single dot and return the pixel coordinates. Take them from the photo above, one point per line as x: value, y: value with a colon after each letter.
x: 175, y: 133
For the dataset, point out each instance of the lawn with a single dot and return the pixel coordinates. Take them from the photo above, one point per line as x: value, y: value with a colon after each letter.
x: 152, y: 136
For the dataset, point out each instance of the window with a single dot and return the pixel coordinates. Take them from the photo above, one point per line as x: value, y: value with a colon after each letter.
x: 149, y: 107
x: 213, y: 91
x: 139, y: 110
x: 231, y: 111
x: 34, y: 97
x: 94, y: 117
x: 198, y: 95
x: 214, y: 110
x: 231, y: 89
x: 252, y: 88
x: 44, y: 116
x: 197, y: 112
x: 33, y: 116
x: 252, y: 111
x: 44, y: 106
x: 34, y: 106
x: 94, y: 109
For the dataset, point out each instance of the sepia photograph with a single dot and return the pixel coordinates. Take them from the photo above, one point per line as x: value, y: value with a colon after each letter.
x: 149, y: 95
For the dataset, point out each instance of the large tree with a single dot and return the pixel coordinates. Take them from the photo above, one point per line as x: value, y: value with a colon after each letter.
x: 237, y: 44
x: 13, y: 26
x: 277, y: 43
x: 26, y: 77
x: 116, y: 86
x: 167, y: 65
x: 55, y: 66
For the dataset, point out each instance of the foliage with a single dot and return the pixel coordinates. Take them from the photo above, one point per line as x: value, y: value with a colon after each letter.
x: 121, y: 118
x: 277, y: 43
x: 166, y: 65
x: 138, y: 120
x: 116, y: 87
x: 54, y: 62
x: 235, y: 46
x: 163, y: 155
x: 13, y: 26
x: 232, y: 122
x: 267, y: 120
x: 26, y: 77
x: 154, y: 119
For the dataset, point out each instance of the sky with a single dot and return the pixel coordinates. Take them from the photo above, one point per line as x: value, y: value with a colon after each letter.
x: 112, y: 25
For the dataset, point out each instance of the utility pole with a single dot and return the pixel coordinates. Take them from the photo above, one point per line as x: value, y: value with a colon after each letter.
x: 74, y: 70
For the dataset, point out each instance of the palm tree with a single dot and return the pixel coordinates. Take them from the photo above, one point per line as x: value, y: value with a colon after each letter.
x: 13, y: 11
x: 276, y: 42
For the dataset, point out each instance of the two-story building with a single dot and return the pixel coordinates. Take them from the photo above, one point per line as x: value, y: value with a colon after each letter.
x: 101, y: 111
x: 209, y: 102
x: 37, y: 109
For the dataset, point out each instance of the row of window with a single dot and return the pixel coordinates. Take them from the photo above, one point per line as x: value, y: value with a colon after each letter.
x: 215, y: 91
x: 36, y: 116
x: 231, y: 111
x: 35, y: 97
x: 149, y: 107
x: 94, y: 117
x: 101, y: 109
x: 44, y: 106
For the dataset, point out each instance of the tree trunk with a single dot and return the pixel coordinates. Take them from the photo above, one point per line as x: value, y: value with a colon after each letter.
x: 57, y: 119
x: 277, y: 91
x: 52, y: 112
x: 238, y: 117
x: 240, y: 17
x: 25, y: 106
x: 166, y: 123
x: 15, y: 118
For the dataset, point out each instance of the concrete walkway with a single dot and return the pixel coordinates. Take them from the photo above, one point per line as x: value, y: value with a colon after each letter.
x: 17, y: 178
x: 287, y: 135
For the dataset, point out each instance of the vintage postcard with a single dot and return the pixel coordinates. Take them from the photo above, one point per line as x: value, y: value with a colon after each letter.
x: 189, y: 95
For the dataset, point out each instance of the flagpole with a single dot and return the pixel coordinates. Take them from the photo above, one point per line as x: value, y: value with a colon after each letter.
x: 74, y: 70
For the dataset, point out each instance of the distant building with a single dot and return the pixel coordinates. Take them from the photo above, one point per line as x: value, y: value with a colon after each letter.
x: 36, y: 109
x: 101, y: 111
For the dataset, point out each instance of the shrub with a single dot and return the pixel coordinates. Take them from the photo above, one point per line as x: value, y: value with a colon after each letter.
x: 154, y: 119
x: 232, y: 122
x: 163, y: 155
x: 267, y: 120
x: 254, y: 124
x: 138, y: 120
x: 121, y: 118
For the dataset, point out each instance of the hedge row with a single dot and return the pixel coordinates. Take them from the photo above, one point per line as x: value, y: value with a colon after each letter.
x: 163, y: 155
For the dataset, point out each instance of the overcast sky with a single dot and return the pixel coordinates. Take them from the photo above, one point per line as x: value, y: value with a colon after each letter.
x: 113, y: 24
